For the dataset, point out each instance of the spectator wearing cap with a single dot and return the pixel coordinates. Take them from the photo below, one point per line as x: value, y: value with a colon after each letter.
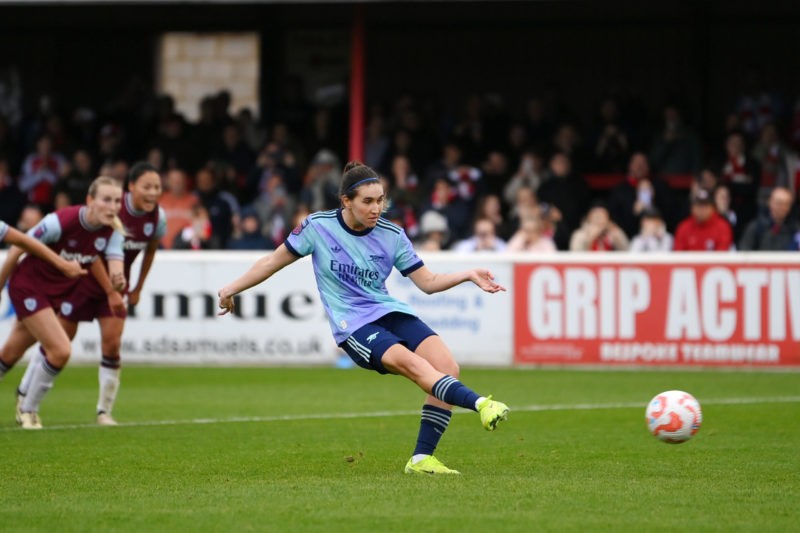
x: 777, y: 231
x: 704, y: 229
x: 653, y: 235
x: 434, y: 230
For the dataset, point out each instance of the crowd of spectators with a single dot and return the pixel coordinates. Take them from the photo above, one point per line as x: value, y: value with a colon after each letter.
x: 482, y: 179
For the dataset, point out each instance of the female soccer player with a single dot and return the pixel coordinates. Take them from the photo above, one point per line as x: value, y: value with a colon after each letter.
x: 37, y: 289
x: 353, y: 252
x: 145, y: 224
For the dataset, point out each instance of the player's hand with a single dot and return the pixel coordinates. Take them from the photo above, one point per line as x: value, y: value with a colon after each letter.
x: 133, y: 297
x: 225, y: 303
x: 485, y: 280
x: 118, y: 281
x: 72, y: 269
x: 116, y: 303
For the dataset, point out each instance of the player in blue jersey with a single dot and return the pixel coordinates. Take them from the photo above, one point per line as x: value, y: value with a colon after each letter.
x: 353, y: 251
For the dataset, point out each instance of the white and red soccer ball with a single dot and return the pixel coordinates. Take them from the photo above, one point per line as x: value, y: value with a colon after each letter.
x: 674, y: 416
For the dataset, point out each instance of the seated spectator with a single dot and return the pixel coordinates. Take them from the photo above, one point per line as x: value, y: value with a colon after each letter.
x: 722, y: 203
x: 776, y: 231
x: 455, y: 209
x: 11, y: 198
x: 41, y: 170
x: 31, y: 215
x: 250, y: 236
x: 704, y: 229
x: 178, y: 203
x: 321, y: 183
x: 484, y: 239
x: 197, y: 234
x: 610, y: 142
x: 531, y: 237
x: 676, y: 149
x: 495, y: 173
x: 434, y: 231
x: 772, y: 156
x: 598, y: 233
x: 653, y: 235
x: 568, y: 193
x: 222, y: 207
x: 740, y: 173
x: 529, y: 174
x: 75, y: 184
x: 275, y: 206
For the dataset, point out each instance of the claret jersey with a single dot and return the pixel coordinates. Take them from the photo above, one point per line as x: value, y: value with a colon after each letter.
x: 351, y: 267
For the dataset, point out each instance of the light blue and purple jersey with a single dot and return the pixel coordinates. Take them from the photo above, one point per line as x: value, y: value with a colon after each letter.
x: 351, y: 267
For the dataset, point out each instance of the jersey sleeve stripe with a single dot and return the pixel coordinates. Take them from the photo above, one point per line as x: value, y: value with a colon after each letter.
x: 412, y: 268
x: 291, y: 248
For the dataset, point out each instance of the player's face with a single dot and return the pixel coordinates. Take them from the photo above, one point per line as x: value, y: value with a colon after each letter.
x: 105, y: 205
x: 366, y: 208
x: 146, y: 191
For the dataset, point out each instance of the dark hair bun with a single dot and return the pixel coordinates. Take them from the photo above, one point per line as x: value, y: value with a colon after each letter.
x: 351, y: 165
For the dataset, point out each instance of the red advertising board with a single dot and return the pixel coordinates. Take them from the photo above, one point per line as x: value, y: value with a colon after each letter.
x: 698, y: 313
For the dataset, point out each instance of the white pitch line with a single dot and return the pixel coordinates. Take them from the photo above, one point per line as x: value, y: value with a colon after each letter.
x: 387, y: 414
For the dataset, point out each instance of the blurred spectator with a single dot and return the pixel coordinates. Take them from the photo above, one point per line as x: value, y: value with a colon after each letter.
x: 484, y: 239
x: 598, y: 233
x: 722, y: 203
x: 653, y: 235
x: 75, y: 185
x: 41, y: 170
x: 704, y: 229
x: 776, y: 231
x: 772, y: 156
x: 176, y: 145
x: 449, y: 161
x: 756, y: 106
x: 250, y: 236
x: 234, y: 151
x: 178, y: 203
x: 8, y: 145
x: 531, y: 237
x: 638, y: 192
x: 496, y: 173
x: 274, y: 206
x: 31, y: 215
x: 321, y: 184
x: 538, y: 124
x: 740, y: 173
x: 221, y: 206
x: 11, y: 198
x: 568, y: 193
x: 376, y: 143
x: 529, y: 174
x: 489, y: 207
x: 252, y: 133
x: 567, y: 141
x: 676, y: 149
x: 525, y: 205
x: 110, y: 144
x: 196, y: 235
x: 610, y: 143
x: 406, y: 193
x: 455, y: 209
x: 434, y: 231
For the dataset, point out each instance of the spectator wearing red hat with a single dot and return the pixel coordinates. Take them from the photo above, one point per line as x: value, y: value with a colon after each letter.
x: 704, y: 230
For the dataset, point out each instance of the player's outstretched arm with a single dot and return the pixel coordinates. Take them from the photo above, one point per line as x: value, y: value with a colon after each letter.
x: 259, y: 272
x: 431, y: 282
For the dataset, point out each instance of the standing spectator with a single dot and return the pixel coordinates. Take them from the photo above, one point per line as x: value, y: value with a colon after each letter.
x: 531, y: 237
x: 177, y: 203
x: 568, y: 193
x: 598, y: 233
x: 610, y: 143
x: 676, y: 149
x: 176, y: 145
x: 567, y: 141
x: 704, y: 229
x: 484, y: 239
x: 222, y: 208
x: 490, y: 207
x: 638, y: 192
x: 776, y: 231
x: 740, y: 173
x: 234, y: 151
x: 41, y: 170
x: 653, y: 235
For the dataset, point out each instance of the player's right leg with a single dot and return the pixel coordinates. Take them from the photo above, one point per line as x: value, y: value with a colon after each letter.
x: 46, y: 328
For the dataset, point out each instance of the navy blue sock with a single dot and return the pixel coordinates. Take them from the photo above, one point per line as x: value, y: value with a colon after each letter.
x: 450, y: 390
x: 431, y: 428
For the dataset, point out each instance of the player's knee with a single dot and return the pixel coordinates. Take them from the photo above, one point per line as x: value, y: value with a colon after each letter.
x: 58, y: 356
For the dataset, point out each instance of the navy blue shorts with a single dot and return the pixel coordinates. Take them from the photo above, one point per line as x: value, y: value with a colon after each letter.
x: 367, y: 344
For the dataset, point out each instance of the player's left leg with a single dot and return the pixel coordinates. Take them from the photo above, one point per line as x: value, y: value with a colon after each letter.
x: 110, y: 365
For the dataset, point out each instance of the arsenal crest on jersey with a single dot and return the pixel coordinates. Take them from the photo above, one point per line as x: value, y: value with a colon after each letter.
x: 148, y: 229
x: 100, y: 243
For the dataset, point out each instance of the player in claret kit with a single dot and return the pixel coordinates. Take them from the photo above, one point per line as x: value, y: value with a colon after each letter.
x: 145, y: 224
x: 37, y: 289
x: 353, y: 252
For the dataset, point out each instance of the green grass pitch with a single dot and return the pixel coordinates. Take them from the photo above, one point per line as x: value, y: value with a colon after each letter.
x: 243, y: 449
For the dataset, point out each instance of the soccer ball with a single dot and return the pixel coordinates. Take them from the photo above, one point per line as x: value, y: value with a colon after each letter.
x: 673, y: 416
